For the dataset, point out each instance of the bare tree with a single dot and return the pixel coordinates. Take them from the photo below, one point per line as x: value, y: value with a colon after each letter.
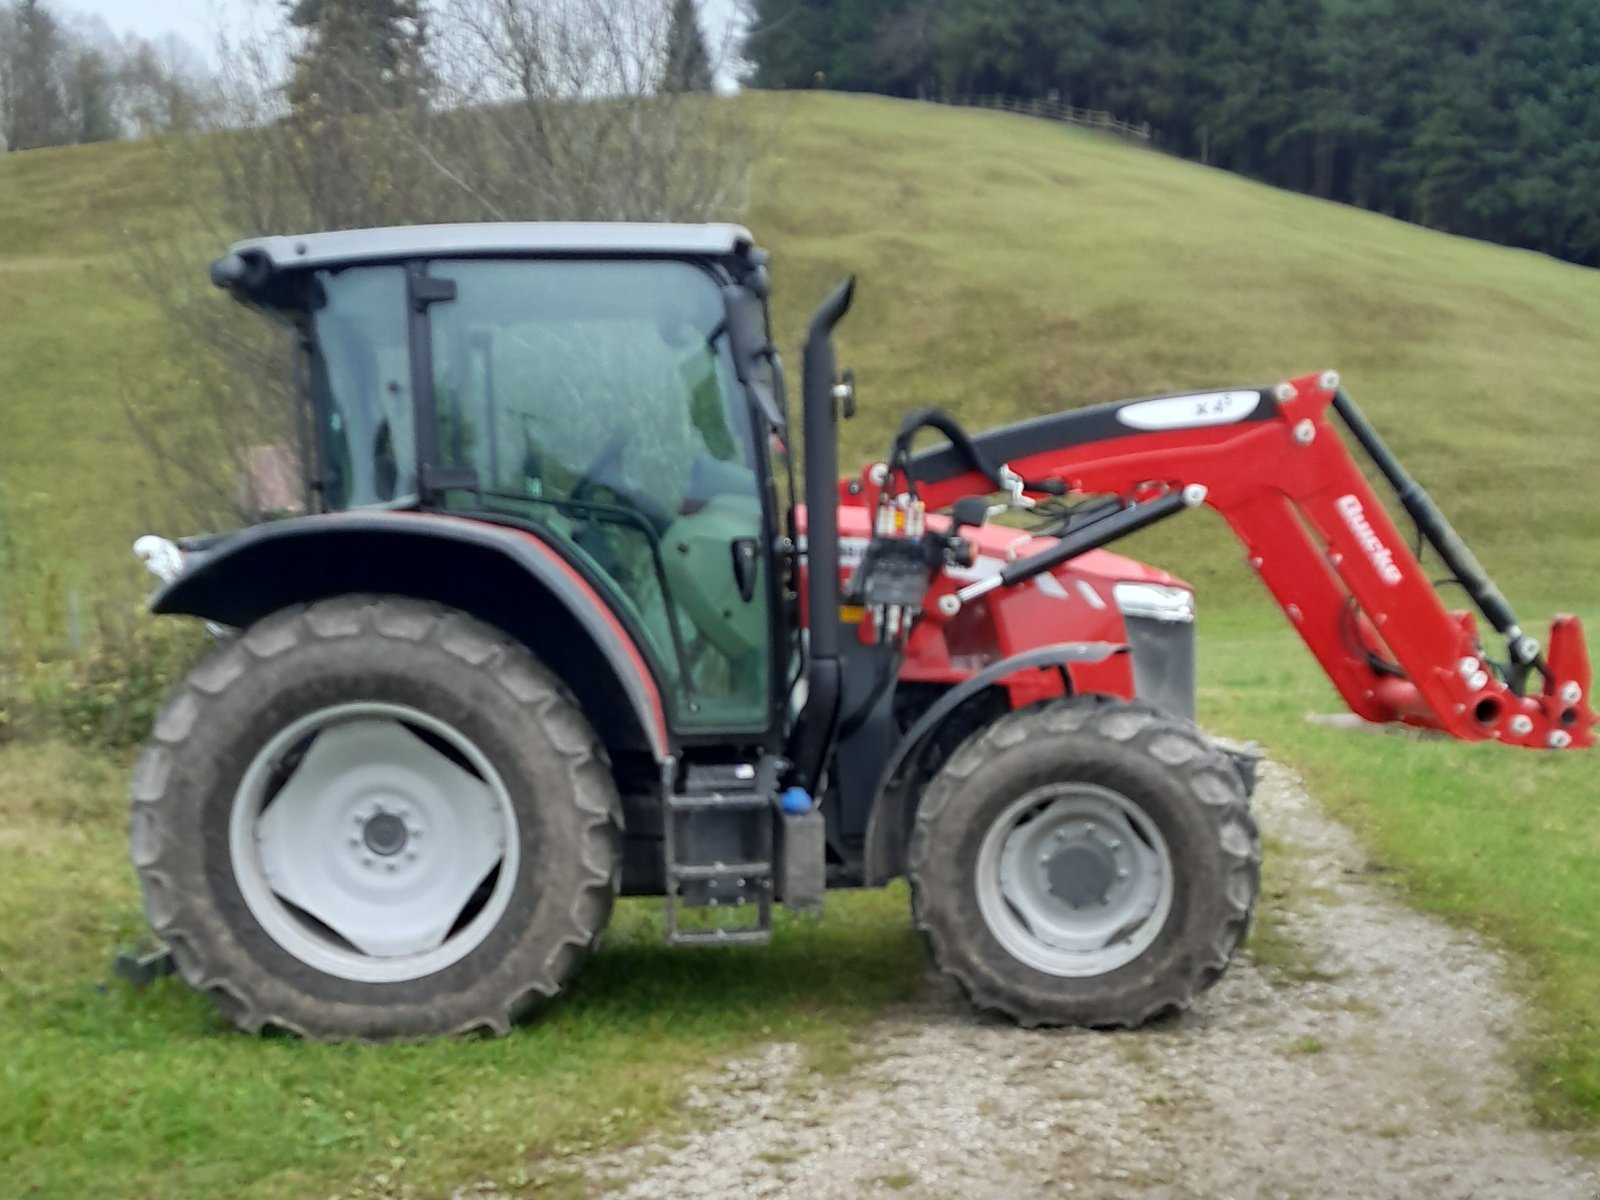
x: 8, y: 74
x: 33, y: 70
x: 571, y: 122
x: 72, y: 81
x: 531, y: 110
x: 92, y: 86
x: 162, y: 87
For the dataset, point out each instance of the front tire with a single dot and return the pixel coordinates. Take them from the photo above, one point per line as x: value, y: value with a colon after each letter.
x: 374, y: 817
x: 1084, y: 862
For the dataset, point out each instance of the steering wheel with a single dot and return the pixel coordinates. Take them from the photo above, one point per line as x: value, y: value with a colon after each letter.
x: 604, y: 463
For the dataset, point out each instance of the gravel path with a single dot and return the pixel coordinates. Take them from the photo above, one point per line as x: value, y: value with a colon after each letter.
x: 1371, y: 1063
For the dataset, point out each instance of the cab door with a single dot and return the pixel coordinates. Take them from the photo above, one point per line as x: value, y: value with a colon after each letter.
x: 598, y: 402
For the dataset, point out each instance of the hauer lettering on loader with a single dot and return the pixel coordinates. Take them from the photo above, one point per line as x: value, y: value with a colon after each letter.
x: 548, y: 633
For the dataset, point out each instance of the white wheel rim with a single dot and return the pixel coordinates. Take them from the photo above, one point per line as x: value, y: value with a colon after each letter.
x: 1074, y: 880
x: 364, y: 850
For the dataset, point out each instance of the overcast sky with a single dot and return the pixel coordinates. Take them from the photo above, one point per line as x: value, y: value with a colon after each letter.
x: 201, y: 21
x: 196, y: 21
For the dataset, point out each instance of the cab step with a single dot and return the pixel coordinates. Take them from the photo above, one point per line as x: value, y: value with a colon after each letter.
x: 718, y: 851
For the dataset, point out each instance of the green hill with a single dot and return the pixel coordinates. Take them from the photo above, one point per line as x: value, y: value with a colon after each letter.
x: 1008, y: 266
x: 1011, y: 267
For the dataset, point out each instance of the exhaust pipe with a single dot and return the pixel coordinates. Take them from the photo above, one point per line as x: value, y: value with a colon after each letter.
x: 815, y: 730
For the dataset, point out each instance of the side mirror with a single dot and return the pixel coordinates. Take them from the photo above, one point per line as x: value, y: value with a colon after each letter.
x: 971, y: 511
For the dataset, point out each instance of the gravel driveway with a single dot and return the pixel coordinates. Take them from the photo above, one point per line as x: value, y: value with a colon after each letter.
x: 1366, y: 1056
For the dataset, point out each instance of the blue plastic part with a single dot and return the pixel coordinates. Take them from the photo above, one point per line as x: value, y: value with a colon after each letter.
x: 795, y: 802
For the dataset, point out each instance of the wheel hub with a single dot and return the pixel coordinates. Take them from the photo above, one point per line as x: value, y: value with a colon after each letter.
x: 385, y: 833
x: 1074, y: 879
x: 1081, y: 875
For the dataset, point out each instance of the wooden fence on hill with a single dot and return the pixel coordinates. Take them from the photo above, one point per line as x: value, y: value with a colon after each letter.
x: 1054, y: 110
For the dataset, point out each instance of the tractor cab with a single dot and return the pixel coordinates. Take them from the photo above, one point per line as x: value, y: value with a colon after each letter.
x: 610, y: 389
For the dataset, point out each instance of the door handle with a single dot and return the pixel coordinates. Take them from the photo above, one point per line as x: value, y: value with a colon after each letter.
x: 746, y: 567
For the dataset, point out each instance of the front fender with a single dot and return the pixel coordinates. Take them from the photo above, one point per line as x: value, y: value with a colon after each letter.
x: 894, y: 802
x: 506, y: 576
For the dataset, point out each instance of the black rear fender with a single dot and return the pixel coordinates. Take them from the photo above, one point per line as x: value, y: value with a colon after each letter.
x: 506, y: 577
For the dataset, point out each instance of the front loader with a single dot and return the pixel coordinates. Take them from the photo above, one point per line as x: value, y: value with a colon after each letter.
x: 547, y: 632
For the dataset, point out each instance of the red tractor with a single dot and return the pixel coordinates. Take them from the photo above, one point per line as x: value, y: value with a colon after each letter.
x: 550, y: 631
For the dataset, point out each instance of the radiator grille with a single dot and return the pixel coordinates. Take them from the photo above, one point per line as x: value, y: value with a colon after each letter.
x: 1163, y: 663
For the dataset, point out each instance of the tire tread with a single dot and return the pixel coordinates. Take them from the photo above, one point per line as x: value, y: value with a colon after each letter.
x: 1133, y: 724
x: 176, y: 915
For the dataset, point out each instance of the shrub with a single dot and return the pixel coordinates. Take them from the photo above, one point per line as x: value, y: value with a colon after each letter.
x: 106, y: 697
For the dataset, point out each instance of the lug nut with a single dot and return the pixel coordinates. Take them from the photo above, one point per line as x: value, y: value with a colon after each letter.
x: 1560, y: 739
x: 1571, y: 693
x: 1329, y: 381
x: 1478, y: 680
x: 1305, y: 433
x: 1284, y: 393
x: 1522, y: 725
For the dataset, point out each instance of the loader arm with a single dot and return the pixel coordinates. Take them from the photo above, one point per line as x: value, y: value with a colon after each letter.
x: 1272, y: 463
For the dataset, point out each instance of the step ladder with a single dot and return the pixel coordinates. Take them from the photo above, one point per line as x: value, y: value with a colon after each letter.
x: 718, y: 851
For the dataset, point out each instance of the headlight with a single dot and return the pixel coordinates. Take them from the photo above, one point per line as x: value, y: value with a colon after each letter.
x: 1154, y: 601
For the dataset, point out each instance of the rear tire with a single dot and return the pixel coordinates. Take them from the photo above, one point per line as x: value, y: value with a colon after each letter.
x: 282, y: 805
x: 1085, y: 862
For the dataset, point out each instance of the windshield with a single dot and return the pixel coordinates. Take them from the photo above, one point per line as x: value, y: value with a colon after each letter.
x: 540, y: 366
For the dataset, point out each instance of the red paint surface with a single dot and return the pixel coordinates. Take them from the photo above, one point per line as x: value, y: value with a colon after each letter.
x: 1321, y: 542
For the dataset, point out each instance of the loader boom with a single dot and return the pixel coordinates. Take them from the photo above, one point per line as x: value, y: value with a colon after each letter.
x: 1272, y: 463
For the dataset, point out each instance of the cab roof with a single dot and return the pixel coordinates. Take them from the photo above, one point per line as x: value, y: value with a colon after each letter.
x: 253, y: 262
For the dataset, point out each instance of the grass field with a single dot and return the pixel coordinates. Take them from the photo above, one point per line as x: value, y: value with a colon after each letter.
x: 109, y: 1092
x: 1499, y: 841
x: 1008, y: 268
